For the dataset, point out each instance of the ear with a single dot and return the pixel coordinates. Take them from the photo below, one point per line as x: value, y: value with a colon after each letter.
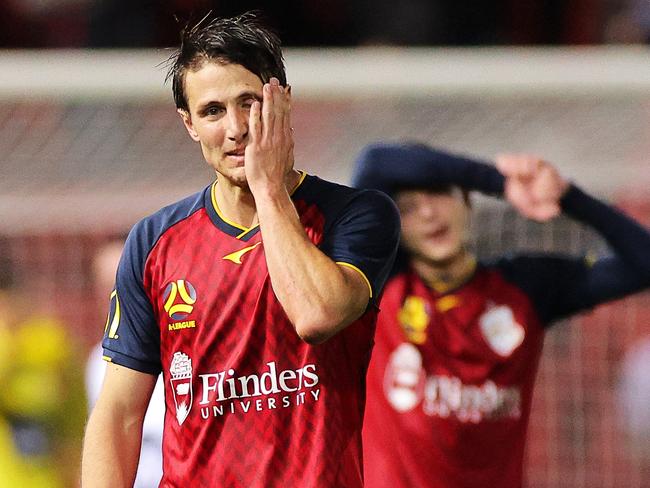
x: 187, y: 122
x: 467, y: 196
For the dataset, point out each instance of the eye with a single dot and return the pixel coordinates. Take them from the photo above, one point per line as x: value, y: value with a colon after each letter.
x: 248, y: 103
x: 213, y: 111
x: 407, y: 207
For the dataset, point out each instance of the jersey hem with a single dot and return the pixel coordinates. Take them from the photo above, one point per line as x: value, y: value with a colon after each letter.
x: 363, y: 275
x: 131, y: 363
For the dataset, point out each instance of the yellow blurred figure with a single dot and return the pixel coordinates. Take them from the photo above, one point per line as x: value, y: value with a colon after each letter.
x: 42, y: 405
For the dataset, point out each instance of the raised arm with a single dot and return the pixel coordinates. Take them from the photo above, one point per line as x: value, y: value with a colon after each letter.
x: 319, y: 295
x: 114, y: 432
x: 537, y: 190
x: 391, y: 166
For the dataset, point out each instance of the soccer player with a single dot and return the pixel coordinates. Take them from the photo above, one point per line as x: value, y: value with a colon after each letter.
x: 458, y: 342
x: 255, y: 297
x: 149, y: 469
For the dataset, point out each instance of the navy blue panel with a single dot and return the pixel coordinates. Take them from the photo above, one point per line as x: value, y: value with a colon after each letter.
x: 390, y: 166
x: 136, y: 341
x: 562, y: 285
x: 628, y: 239
x: 361, y: 227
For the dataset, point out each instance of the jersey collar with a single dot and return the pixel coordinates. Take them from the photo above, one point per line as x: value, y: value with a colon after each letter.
x: 228, y: 226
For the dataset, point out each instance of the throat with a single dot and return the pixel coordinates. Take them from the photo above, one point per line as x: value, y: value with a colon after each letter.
x: 235, y: 204
x: 446, y: 276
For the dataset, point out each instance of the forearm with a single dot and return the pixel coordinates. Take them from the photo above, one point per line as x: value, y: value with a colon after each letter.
x: 111, y: 450
x: 628, y: 239
x: 389, y: 167
x: 319, y: 296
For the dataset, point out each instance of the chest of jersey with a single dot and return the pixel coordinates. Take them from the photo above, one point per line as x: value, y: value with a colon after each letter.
x: 209, y: 291
x: 470, y: 354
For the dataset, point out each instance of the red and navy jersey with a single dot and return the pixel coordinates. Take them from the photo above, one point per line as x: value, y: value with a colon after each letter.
x: 249, y: 404
x: 450, y: 384
x: 451, y: 378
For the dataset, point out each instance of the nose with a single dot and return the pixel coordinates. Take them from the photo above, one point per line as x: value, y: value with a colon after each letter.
x: 428, y: 208
x: 237, y: 124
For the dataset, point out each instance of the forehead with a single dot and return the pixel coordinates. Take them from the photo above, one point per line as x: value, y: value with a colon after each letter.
x: 213, y: 81
x: 411, y: 198
x: 424, y: 193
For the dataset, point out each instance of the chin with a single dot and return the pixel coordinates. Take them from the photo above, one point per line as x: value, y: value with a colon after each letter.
x: 236, y: 176
x: 444, y: 257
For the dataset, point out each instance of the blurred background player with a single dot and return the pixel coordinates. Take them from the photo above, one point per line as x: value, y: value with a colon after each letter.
x: 458, y: 342
x: 255, y: 297
x: 42, y: 402
x: 149, y: 472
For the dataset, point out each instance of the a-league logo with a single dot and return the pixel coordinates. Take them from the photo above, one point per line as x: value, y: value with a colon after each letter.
x: 181, y: 381
x: 179, y: 299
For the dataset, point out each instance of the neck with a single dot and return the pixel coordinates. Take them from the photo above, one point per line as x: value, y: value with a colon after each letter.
x: 446, y: 275
x: 237, y: 203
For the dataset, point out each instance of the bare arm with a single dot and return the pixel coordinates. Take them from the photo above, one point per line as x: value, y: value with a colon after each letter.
x: 319, y: 296
x: 114, y: 431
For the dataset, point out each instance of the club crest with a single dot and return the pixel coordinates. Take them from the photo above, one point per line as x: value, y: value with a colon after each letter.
x: 181, y: 382
x: 501, y: 331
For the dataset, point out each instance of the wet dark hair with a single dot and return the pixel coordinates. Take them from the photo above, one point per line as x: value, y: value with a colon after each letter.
x: 242, y: 40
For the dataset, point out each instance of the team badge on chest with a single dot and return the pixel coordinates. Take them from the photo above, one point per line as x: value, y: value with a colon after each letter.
x: 414, y: 317
x: 500, y: 330
x: 181, y: 382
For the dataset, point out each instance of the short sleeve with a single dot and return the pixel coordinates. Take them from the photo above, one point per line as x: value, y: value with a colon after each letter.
x: 131, y: 337
x: 365, y: 236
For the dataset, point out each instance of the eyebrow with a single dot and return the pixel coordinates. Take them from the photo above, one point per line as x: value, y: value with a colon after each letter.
x: 242, y: 96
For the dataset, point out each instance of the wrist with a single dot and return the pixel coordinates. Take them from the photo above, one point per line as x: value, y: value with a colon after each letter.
x: 571, y: 197
x: 268, y: 197
x: 565, y: 185
x: 267, y: 191
x: 270, y: 190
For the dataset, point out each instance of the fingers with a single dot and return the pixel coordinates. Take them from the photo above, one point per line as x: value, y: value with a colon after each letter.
x: 276, y: 112
x: 268, y: 110
x: 530, y: 205
x: 518, y: 165
x: 255, y: 122
x: 287, y: 118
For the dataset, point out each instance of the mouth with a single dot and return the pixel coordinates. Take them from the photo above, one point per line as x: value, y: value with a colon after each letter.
x: 237, y: 155
x: 438, y: 232
x: 237, y: 151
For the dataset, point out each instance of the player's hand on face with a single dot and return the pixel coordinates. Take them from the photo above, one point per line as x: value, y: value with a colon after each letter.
x: 533, y: 186
x: 269, y: 153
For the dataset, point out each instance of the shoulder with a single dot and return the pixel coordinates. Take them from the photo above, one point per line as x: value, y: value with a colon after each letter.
x: 536, y: 266
x: 550, y: 281
x: 335, y: 198
x: 148, y: 230
x: 527, y: 273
